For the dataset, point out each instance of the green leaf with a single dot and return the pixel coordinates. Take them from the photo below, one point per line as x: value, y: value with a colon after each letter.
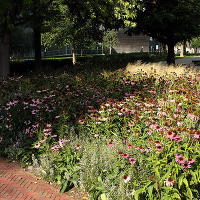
x: 176, y: 196
x: 189, y: 192
x: 138, y: 192
x: 150, y: 192
x: 180, y: 181
x: 67, y: 185
x: 103, y: 197
x: 185, y: 182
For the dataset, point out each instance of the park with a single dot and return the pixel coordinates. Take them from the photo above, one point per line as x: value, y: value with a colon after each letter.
x: 113, y: 126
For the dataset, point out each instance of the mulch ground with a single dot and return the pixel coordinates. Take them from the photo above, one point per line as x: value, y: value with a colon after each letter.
x: 17, y: 184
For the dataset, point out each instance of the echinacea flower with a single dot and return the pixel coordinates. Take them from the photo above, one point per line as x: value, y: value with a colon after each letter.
x: 132, y: 160
x: 159, y: 148
x: 169, y: 181
x: 37, y: 145
x: 125, y: 155
x: 55, y: 148
x: 1, y: 139
x: 78, y: 146
x: 190, y: 160
x: 111, y: 143
x: 157, y: 143
x: 180, y: 159
x: 80, y: 121
x: 126, y: 178
x: 186, y: 164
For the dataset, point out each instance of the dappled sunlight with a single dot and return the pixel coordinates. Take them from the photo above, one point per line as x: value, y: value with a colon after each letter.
x: 159, y: 69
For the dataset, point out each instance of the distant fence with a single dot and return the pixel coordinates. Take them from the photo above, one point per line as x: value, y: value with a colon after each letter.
x: 56, y: 52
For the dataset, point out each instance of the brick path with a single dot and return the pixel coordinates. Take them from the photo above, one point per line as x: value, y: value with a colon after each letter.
x: 16, y: 184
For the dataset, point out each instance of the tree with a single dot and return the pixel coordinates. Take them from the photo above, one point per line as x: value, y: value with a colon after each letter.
x: 10, y: 16
x: 80, y: 23
x: 168, y: 21
x: 195, y: 42
x: 110, y: 39
x: 38, y: 12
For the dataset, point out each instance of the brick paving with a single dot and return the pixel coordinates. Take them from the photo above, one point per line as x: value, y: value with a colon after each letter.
x: 16, y: 184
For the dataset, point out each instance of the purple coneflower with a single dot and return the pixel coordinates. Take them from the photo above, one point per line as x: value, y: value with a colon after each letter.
x: 180, y: 159
x: 126, y: 178
x: 169, y: 181
x: 186, y: 164
x: 132, y: 160
x: 125, y: 155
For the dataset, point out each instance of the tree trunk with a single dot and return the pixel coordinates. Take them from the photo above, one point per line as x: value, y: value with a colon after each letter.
x: 4, y: 55
x: 37, y: 45
x: 73, y: 56
x: 182, y: 50
x: 171, y: 55
x: 110, y: 49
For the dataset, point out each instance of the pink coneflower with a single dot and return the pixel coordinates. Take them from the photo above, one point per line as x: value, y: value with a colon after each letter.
x: 177, y: 138
x: 169, y: 181
x: 126, y: 178
x: 125, y: 141
x: 148, y: 150
x: 170, y: 135
x: 190, y: 160
x: 125, y: 155
x: 53, y: 136
x: 197, y: 134
x: 78, y: 146
x: 1, y: 139
x: 149, y: 132
x: 157, y: 143
x: 37, y: 145
x: 80, y: 121
x: 131, y: 124
x: 132, y: 160
x: 159, y: 148
x: 129, y: 145
x: 55, y: 148
x: 111, y: 143
x: 186, y: 164
x: 140, y: 148
x: 180, y: 159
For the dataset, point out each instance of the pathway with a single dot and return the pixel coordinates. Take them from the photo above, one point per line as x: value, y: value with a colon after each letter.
x: 16, y: 184
x: 183, y: 61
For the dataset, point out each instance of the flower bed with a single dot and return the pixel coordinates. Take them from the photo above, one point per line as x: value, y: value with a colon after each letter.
x: 114, y: 134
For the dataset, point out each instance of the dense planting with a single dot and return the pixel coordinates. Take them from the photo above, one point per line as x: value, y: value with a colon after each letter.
x: 116, y: 135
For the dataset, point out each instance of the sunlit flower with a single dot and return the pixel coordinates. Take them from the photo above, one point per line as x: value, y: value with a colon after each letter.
x: 190, y: 160
x: 159, y: 148
x: 186, y: 164
x: 37, y: 145
x: 78, y: 146
x: 157, y: 143
x: 55, y: 148
x: 180, y: 159
x: 111, y: 143
x: 126, y: 178
x: 132, y: 160
x: 169, y: 181
x: 80, y: 121
x: 125, y: 155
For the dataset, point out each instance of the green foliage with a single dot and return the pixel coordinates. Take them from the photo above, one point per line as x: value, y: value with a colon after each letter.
x: 115, y: 134
x: 166, y: 21
x: 110, y: 39
x: 195, y: 42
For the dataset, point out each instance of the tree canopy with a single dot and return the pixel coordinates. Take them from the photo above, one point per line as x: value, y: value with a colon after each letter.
x: 168, y: 21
